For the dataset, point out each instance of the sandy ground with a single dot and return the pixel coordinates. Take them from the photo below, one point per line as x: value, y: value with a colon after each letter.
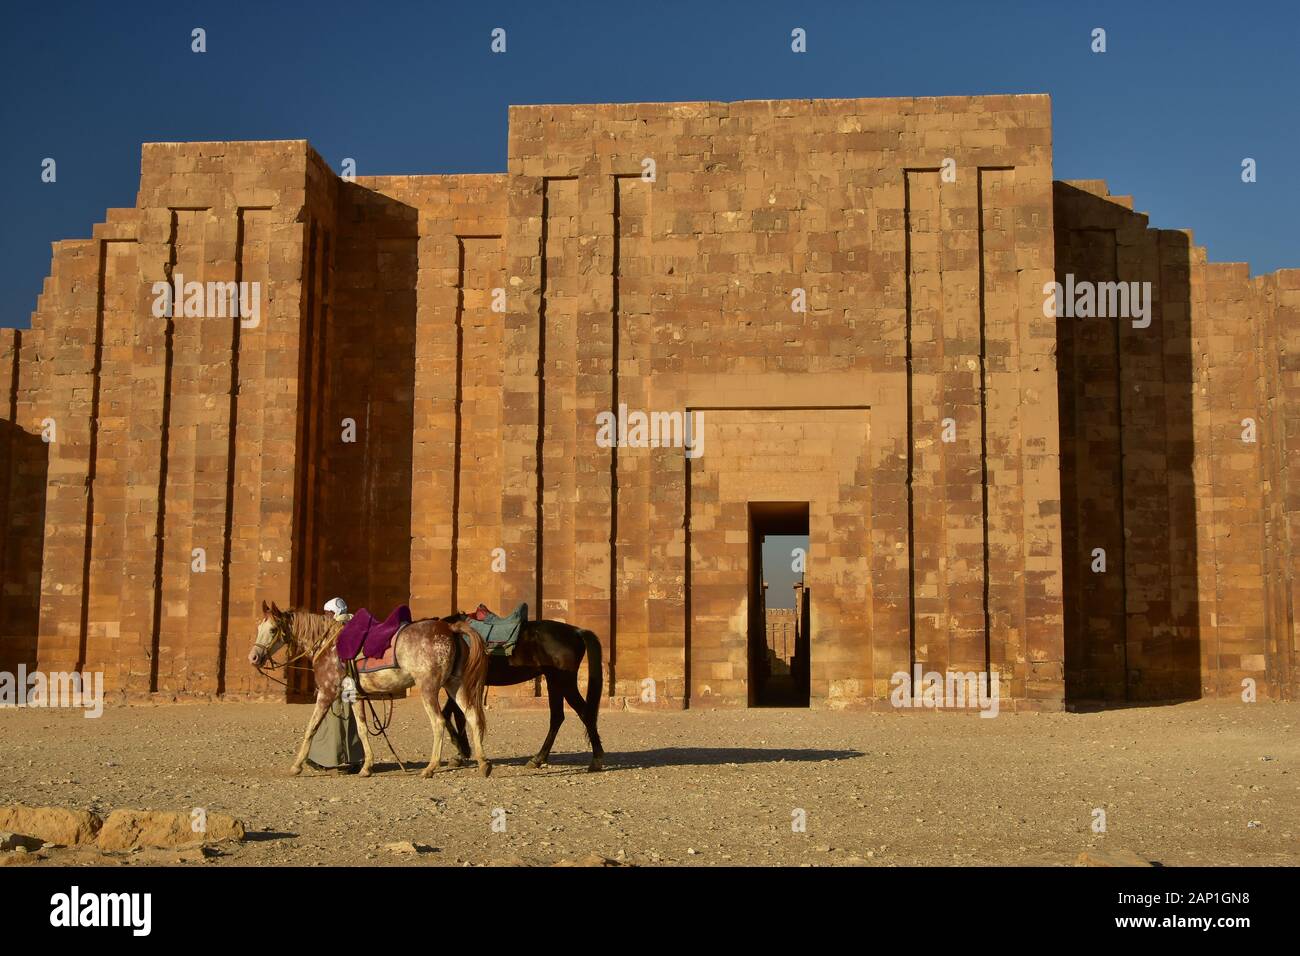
x: 1205, y: 783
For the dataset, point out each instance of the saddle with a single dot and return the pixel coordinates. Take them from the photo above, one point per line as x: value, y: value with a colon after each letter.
x: 500, y: 634
x: 372, y: 644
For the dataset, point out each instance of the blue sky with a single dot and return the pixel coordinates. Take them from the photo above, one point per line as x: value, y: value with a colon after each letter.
x: 778, y: 567
x: 1184, y: 92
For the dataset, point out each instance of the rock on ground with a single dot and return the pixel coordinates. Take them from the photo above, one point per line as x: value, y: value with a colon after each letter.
x: 407, y: 848
x: 57, y: 825
x: 132, y: 829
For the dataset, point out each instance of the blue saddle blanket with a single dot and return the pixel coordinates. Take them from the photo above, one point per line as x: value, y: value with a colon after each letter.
x: 499, y: 633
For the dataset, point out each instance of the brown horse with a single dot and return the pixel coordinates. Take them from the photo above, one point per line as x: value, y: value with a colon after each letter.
x: 550, y: 649
x: 429, y: 657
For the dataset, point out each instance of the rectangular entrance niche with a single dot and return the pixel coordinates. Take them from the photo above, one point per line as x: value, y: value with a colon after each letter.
x: 817, y: 465
x: 779, y: 610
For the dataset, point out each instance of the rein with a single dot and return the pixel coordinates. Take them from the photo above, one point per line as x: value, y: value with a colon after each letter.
x: 381, y: 727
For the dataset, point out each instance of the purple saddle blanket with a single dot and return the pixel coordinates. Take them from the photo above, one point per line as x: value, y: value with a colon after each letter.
x: 366, y: 635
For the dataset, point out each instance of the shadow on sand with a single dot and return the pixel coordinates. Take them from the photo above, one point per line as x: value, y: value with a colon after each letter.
x: 683, y: 757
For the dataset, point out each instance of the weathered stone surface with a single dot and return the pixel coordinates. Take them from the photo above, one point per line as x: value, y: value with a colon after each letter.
x: 54, y: 825
x: 130, y: 829
x: 850, y: 292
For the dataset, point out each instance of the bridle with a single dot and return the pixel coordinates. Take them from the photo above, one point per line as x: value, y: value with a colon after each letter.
x: 282, y: 633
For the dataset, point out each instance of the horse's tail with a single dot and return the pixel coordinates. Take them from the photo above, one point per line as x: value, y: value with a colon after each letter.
x: 595, y: 676
x: 473, y: 677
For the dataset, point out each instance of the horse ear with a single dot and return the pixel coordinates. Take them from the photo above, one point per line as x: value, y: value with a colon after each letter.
x: 265, y: 610
x: 275, y: 610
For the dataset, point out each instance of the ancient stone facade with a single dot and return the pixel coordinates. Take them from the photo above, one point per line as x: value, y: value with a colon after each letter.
x: 847, y: 296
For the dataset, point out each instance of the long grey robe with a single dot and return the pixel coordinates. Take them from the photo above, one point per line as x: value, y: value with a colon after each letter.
x: 336, y: 743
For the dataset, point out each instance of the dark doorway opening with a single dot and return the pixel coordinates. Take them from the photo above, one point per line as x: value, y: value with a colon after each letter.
x: 779, y: 608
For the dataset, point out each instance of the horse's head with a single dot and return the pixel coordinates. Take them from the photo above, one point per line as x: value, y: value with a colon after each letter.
x: 272, y: 634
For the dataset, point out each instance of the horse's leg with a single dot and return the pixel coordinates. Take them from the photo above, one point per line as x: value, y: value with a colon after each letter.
x: 458, y: 730
x: 470, y: 713
x: 455, y: 720
x: 313, y: 722
x: 359, y: 712
x: 429, y: 697
x: 556, y: 695
x: 576, y: 702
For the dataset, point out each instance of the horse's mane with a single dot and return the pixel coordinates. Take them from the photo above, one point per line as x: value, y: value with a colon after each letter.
x: 310, y: 629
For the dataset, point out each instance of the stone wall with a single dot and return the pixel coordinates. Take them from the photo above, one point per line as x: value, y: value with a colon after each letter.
x: 915, y: 286
x: 781, y: 627
x: 175, y: 442
x: 415, y: 415
x: 1176, y: 440
x: 24, y: 467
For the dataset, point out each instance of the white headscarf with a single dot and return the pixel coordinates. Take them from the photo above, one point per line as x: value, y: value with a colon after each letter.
x: 336, y: 607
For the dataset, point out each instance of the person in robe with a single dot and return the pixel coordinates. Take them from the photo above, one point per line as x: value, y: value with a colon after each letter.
x: 336, y: 745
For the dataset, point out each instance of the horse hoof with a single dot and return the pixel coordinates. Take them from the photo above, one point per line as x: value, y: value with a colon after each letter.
x: 426, y: 773
x: 295, y: 771
x: 455, y: 762
x: 365, y: 772
x: 485, y: 768
x: 535, y: 764
x: 595, y: 767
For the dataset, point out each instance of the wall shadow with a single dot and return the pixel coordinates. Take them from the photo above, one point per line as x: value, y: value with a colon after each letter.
x: 1128, y: 508
x: 24, y: 469
x: 361, y: 522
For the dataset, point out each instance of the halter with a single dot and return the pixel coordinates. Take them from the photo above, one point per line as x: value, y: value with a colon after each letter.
x: 283, y: 633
